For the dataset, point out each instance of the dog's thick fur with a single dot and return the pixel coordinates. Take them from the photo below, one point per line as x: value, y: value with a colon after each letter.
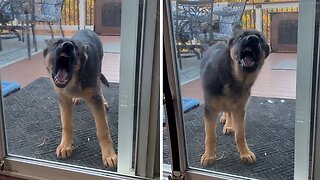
x: 228, y: 73
x: 74, y: 65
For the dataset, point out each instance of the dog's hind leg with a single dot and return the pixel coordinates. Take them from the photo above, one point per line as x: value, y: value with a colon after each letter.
x: 65, y: 148
x: 227, y: 128
x: 95, y: 102
x: 209, y: 155
x: 246, y: 155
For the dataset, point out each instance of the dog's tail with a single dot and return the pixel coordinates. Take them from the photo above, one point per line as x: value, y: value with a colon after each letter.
x: 104, y: 80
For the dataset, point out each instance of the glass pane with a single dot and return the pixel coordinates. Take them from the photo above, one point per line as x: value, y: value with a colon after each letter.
x: 56, y: 104
x: 220, y: 78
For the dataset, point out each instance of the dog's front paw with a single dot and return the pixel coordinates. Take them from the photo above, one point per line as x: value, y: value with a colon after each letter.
x: 227, y: 130
x: 248, y: 157
x: 208, y: 159
x: 223, y: 118
x: 64, y: 150
x: 76, y: 101
x: 109, y: 161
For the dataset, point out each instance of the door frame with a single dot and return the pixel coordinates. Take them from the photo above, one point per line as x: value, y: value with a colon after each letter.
x: 306, y: 94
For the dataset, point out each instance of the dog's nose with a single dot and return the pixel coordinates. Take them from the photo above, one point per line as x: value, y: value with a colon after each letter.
x: 252, y: 38
x: 67, y: 45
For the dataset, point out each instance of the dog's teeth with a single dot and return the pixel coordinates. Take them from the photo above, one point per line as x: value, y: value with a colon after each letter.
x: 242, y: 62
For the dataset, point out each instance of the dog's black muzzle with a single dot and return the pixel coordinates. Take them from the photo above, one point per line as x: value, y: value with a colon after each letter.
x: 65, y: 59
x: 68, y: 48
x: 249, y: 53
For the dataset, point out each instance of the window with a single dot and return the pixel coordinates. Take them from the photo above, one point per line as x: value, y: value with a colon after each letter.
x: 280, y: 116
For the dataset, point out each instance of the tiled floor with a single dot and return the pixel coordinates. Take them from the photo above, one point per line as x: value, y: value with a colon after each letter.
x: 26, y: 71
x: 270, y: 82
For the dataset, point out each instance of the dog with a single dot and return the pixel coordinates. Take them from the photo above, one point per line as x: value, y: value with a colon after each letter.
x: 228, y: 72
x: 74, y: 65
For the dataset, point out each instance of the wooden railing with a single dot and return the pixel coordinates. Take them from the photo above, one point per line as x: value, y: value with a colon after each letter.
x: 70, y: 15
x: 257, y: 16
x: 70, y: 12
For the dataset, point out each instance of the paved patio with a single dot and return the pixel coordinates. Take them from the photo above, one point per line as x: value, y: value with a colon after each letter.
x: 14, y: 50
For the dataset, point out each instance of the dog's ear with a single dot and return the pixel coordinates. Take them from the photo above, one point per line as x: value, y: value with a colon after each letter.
x: 47, y: 42
x: 85, y: 54
x: 83, y: 48
x: 236, y: 27
x: 50, y: 42
x: 265, y: 46
x: 235, y: 32
x: 85, y: 45
x: 230, y: 40
x: 266, y: 49
x: 45, y: 52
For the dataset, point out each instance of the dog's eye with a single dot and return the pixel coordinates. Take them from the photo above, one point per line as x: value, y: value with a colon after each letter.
x: 55, y: 44
x: 240, y: 37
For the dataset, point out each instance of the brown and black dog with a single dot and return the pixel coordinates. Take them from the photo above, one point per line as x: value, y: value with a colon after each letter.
x: 228, y: 73
x: 74, y: 65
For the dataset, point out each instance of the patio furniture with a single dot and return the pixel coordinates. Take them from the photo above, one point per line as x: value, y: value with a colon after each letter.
x: 30, y: 12
x: 16, y: 9
x: 49, y: 11
x: 201, y: 23
x: 228, y: 17
x: 45, y: 11
x: 188, y: 18
x: 6, y: 15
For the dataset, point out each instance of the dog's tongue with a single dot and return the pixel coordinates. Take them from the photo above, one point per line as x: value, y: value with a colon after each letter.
x: 62, y: 75
x: 248, y: 61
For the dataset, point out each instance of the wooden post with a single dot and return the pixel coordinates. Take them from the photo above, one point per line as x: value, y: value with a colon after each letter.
x: 259, y: 19
x: 82, y: 14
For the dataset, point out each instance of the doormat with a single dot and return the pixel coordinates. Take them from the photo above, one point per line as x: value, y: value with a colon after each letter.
x: 270, y: 126
x: 33, y: 127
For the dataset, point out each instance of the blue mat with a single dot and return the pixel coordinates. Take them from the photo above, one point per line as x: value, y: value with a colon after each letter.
x: 9, y: 87
x: 187, y: 105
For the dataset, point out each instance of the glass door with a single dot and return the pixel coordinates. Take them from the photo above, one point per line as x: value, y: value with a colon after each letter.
x: 35, y: 118
x: 276, y: 140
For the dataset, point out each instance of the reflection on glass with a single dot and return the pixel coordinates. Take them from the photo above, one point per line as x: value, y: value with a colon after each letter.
x: 269, y: 129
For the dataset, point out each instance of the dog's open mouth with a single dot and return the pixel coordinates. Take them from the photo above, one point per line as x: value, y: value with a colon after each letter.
x: 247, y: 58
x: 63, y: 67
